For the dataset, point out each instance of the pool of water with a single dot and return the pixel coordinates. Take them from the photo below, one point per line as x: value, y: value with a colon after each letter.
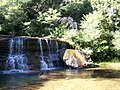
x: 15, y: 79
x: 18, y: 80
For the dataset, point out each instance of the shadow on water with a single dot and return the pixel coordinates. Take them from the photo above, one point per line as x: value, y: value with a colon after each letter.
x: 36, y: 80
x: 15, y: 80
x: 73, y: 73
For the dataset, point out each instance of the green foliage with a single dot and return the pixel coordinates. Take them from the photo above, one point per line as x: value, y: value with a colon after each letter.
x: 90, y: 26
x: 38, y: 17
x: 27, y: 17
x: 58, y: 31
x: 116, y: 40
x: 12, y: 17
x: 99, y: 31
x: 49, y: 16
x: 116, y: 60
x: 75, y: 9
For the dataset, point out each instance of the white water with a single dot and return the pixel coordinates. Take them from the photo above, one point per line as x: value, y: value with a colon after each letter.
x: 44, y: 65
x: 47, y: 60
x: 50, y: 63
x: 57, y: 46
x: 17, y: 60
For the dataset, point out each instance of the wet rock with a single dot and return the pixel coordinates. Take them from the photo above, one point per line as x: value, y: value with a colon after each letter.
x: 4, y: 50
x: 31, y: 50
x: 31, y: 44
x: 75, y: 58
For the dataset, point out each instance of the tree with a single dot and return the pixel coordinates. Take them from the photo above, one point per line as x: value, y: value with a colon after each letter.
x: 99, y: 30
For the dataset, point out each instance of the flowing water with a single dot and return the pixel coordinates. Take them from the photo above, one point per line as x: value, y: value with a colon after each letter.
x: 17, y: 60
x: 50, y: 63
x: 47, y: 61
x: 44, y: 65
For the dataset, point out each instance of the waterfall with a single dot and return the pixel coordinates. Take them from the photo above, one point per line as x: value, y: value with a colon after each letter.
x: 50, y: 63
x: 44, y: 65
x: 53, y: 53
x: 55, y: 50
x: 57, y: 46
x: 51, y: 56
x: 17, y: 60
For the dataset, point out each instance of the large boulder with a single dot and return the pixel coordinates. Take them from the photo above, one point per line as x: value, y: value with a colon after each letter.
x: 75, y: 58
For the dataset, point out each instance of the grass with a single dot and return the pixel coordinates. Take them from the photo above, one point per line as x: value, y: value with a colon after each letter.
x: 112, y: 65
x: 113, y: 61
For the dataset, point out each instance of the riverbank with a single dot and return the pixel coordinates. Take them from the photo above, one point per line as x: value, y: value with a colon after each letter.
x: 109, y: 65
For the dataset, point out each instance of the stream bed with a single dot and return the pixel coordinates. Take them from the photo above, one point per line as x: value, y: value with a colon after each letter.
x: 36, y: 81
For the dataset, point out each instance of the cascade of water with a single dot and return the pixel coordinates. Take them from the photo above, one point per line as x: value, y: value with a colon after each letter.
x: 16, y: 59
x: 55, y: 54
x: 55, y: 51
x: 49, y: 60
x: 50, y: 63
x: 44, y: 65
x: 57, y: 46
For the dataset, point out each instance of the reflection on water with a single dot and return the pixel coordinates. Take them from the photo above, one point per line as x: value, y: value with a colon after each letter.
x: 13, y: 81
x: 106, y: 74
x: 10, y: 81
x: 73, y: 73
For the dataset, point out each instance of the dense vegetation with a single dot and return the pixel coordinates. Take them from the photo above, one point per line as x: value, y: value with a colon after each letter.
x: 92, y: 26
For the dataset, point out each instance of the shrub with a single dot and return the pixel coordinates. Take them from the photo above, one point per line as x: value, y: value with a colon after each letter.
x: 98, y: 31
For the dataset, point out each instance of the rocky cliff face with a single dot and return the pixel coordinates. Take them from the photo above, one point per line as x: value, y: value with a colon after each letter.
x: 32, y: 53
x: 4, y: 50
x: 32, y: 50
